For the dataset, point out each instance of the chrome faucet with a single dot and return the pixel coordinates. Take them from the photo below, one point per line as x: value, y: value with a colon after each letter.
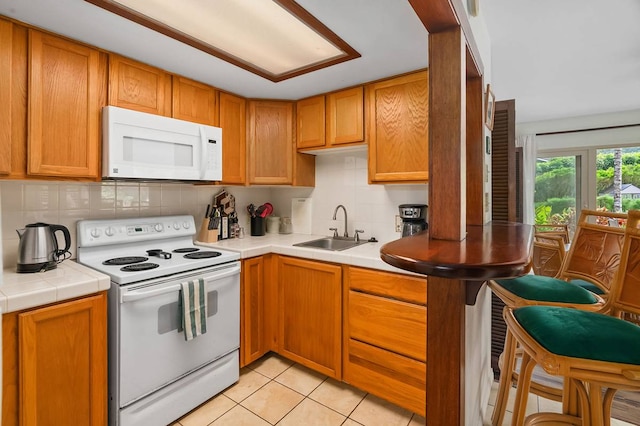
x: 335, y: 212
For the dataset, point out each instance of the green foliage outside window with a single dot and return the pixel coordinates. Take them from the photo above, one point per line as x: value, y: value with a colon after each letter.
x: 555, y: 184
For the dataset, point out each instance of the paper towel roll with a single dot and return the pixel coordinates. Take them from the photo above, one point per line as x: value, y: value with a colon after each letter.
x: 301, y: 215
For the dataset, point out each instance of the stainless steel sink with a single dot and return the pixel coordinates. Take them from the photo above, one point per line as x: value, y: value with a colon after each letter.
x: 334, y: 244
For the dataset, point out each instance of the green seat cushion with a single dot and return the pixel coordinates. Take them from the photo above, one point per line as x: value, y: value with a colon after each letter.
x: 588, y: 286
x: 581, y: 334
x: 547, y: 289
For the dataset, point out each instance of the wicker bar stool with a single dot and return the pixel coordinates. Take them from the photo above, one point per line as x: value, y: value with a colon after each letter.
x: 597, y: 353
x: 584, y: 281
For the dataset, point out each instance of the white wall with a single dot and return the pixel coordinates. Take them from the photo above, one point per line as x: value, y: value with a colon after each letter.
x: 478, y: 372
x: 340, y: 179
x: 65, y: 203
x: 586, y: 139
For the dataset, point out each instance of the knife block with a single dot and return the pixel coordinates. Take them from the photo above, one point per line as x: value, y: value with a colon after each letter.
x: 207, y: 235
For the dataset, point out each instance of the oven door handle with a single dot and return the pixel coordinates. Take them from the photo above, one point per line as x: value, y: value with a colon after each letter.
x: 134, y: 295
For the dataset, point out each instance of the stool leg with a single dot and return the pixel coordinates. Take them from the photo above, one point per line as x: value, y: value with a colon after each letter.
x: 595, y: 404
x: 506, y: 377
x: 608, y: 400
x: 522, y: 389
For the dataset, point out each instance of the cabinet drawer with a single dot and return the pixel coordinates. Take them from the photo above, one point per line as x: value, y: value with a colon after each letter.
x: 393, y: 377
x: 387, y: 284
x: 389, y: 324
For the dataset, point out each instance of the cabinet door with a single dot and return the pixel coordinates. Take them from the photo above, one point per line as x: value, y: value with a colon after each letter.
x: 345, y: 117
x: 233, y: 113
x: 193, y: 101
x: 309, y: 303
x: 63, y: 363
x: 66, y: 92
x: 6, y: 56
x: 310, y: 122
x: 13, y: 100
x: 270, y: 142
x: 398, y: 133
x: 140, y: 87
x: 252, y: 312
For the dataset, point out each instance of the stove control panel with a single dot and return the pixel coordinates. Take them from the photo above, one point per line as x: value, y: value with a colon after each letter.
x: 144, y: 229
x: 112, y: 231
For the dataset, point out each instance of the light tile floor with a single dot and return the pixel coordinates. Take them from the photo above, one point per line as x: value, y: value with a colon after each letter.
x: 276, y: 391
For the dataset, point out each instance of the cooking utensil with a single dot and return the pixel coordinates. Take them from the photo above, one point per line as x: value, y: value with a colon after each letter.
x: 206, y: 214
x: 268, y: 209
x: 251, y: 209
x: 38, y: 249
x: 159, y: 253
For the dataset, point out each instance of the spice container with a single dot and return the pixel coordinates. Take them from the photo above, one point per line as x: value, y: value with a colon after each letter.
x: 285, y: 225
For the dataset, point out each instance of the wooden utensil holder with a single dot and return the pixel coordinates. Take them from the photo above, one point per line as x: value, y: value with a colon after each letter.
x: 207, y: 235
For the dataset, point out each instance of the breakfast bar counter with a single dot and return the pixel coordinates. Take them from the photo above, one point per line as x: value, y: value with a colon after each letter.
x: 456, y: 270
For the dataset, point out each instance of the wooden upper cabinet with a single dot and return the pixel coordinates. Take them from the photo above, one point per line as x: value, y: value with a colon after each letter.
x: 270, y: 142
x: 137, y: 86
x: 6, y: 101
x: 334, y: 120
x: 398, y: 133
x: 67, y: 89
x: 310, y: 129
x: 345, y: 117
x: 233, y: 113
x: 193, y: 101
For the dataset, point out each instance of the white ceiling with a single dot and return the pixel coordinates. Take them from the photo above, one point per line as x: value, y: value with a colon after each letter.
x: 565, y: 58
x: 387, y: 33
x: 556, y: 58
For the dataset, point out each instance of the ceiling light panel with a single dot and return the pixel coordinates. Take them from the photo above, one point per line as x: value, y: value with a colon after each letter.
x: 262, y: 34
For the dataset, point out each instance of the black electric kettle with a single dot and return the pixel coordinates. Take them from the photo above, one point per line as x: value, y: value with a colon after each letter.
x: 38, y: 249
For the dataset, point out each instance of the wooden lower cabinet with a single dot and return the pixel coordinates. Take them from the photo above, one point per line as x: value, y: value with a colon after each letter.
x: 258, y: 301
x: 362, y: 326
x: 385, y: 319
x: 55, y: 364
x: 310, y: 314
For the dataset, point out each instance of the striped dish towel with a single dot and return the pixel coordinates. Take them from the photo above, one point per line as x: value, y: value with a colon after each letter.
x: 194, y: 308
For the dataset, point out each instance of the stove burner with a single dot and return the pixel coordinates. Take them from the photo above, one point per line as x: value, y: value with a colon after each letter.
x: 202, y: 255
x: 125, y: 260
x: 139, y: 267
x: 186, y: 250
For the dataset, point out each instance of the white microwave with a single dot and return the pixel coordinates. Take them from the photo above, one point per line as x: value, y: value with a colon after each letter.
x: 137, y: 145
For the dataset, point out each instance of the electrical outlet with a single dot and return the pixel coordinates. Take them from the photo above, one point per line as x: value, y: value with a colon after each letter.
x: 398, y: 224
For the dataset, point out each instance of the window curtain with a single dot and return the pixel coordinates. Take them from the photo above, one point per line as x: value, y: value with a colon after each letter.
x: 529, y: 155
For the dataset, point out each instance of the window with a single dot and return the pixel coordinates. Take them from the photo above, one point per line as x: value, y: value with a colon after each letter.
x: 558, y: 188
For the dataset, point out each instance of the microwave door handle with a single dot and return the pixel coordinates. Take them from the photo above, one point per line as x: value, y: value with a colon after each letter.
x: 203, y: 159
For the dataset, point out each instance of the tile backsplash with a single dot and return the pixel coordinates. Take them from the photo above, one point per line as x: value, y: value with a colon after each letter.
x: 340, y: 179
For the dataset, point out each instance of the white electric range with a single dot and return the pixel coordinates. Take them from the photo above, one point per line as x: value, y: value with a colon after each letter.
x: 155, y: 374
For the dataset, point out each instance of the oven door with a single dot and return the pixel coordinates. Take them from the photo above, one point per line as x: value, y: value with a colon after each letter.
x: 152, y: 349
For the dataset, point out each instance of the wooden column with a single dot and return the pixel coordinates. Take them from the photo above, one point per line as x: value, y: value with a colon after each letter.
x: 447, y: 221
x: 475, y: 152
x: 447, y: 135
x: 445, y: 351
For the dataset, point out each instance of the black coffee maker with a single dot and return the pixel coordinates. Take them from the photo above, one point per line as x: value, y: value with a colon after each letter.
x: 414, y: 218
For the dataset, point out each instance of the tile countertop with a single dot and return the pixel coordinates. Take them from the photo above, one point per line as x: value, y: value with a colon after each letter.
x: 68, y: 280
x: 365, y: 255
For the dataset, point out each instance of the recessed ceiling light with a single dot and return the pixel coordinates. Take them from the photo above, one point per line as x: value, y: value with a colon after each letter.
x: 276, y: 39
